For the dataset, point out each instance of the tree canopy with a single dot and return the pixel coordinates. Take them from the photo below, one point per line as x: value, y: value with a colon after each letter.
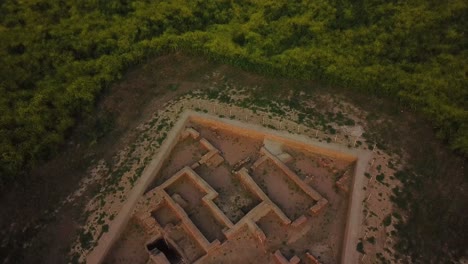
x: 57, y: 56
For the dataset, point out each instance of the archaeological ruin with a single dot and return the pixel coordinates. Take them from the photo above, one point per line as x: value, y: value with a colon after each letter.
x: 222, y: 191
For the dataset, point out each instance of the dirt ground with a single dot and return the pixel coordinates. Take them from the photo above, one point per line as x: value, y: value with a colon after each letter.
x: 129, y: 249
x: 244, y: 248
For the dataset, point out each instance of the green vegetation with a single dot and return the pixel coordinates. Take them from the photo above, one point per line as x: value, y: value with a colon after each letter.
x: 435, y: 197
x: 360, y: 247
x: 380, y: 177
x: 86, y: 239
x: 56, y: 59
x: 387, y: 220
x: 105, y: 228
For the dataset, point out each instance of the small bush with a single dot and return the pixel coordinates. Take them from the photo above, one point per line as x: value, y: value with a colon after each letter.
x: 387, y: 220
x: 360, y: 247
x: 380, y: 177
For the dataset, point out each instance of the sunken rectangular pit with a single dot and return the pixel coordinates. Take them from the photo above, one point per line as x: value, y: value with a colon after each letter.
x: 188, y: 190
x: 234, y: 200
x: 285, y: 193
x: 165, y: 215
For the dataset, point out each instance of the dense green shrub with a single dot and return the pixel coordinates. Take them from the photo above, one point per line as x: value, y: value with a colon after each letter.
x: 56, y: 57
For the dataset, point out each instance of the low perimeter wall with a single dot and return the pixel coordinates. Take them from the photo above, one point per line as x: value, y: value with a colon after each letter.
x: 349, y: 255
